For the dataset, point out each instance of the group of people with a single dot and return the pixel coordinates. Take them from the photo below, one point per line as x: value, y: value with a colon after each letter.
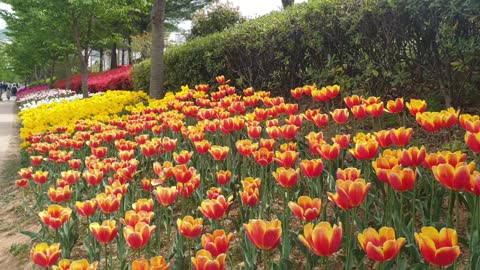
x: 9, y: 89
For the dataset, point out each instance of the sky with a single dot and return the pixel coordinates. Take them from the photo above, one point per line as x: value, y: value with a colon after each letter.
x: 7, y: 7
x: 248, y: 8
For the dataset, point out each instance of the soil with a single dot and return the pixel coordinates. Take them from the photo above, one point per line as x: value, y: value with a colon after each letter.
x: 14, y: 246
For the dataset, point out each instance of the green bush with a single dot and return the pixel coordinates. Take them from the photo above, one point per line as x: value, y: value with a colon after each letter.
x: 379, y: 47
x: 141, y: 75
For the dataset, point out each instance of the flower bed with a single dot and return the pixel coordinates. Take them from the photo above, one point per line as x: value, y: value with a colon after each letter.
x: 214, y: 178
x: 118, y: 78
x: 33, y: 99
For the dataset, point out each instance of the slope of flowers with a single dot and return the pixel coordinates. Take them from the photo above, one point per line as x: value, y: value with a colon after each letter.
x: 118, y: 78
x: 45, y: 96
x: 216, y: 172
x: 62, y: 116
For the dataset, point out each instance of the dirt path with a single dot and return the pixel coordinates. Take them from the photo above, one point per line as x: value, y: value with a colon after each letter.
x: 14, y: 246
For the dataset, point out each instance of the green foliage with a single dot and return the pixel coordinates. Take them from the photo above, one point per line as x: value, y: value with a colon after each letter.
x: 384, y: 48
x: 141, y: 75
x: 216, y: 18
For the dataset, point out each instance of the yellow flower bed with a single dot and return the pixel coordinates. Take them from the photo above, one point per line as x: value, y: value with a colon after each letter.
x: 48, y: 117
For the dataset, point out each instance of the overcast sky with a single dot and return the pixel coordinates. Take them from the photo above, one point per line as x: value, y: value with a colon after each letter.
x: 3, y: 7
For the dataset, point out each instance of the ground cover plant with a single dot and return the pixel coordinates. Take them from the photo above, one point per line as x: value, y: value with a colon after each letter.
x: 217, y: 177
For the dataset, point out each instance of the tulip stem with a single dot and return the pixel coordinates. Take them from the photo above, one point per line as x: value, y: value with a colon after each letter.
x: 457, y: 210
x: 349, y: 263
x: 451, y: 204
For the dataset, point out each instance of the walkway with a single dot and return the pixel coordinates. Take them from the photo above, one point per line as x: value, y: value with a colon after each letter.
x: 7, y: 126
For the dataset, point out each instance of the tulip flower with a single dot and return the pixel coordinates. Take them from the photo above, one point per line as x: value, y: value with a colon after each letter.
x: 65, y: 264
x: 26, y: 173
x: 93, y: 177
x: 383, y: 165
x: 474, y: 184
x: 365, y: 150
x: 473, y: 141
x: 327, y: 151
x: 215, y: 208
x: 74, y: 164
x: 204, y: 260
x: 349, y: 194
x: 413, y: 156
x: 383, y: 138
x: 39, y: 177
x: 116, y: 188
x: 143, y: 205
x: 60, y: 194
x: 401, y: 136
x: 311, y: 168
x: 395, y: 106
x: 455, y: 178
x: 286, y: 159
x: 273, y: 132
x: 438, y: 248
x: 71, y: 176
x: 44, y: 255
x: 359, y: 111
x: 320, y: 120
x: 401, y: 179
x: 416, y: 105
x: 186, y: 189
x: 137, y: 237
x: 246, y: 147
x: 86, y: 208
x: 250, y: 195
x: 297, y: 92
x: 109, y: 203
x: 340, y: 116
x: 21, y: 183
x: 202, y: 147
x: 218, y: 152
x: 156, y: 263
x: 375, y: 109
x: 169, y: 144
x: 370, y: 100
x: 216, y: 243
x: 104, y: 233
x: 132, y: 218
x: 342, y: 140
x: 99, y: 152
x: 348, y: 174
x: 263, y: 156
x: 264, y: 235
x: 183, y: 157
x: 306, y: 208
x: 323, y: 239
x: 36, y: 160
x: 352, y: 101
x: 380, y: 246
x: 223, y: 177
x: 451, y: 158
x: 286, y: 177
x: 55, y: 216
x: 254, y: 132
x: 267, y: 143
x: 183, y: 174
x: 289, y: 132
x: 190, y: 227
x: 430, y: 121
x: 165, y: 195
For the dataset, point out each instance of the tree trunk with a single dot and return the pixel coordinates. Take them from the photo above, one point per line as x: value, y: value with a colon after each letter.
x: 101, y: 60
x: 113, y: 60
x: 84, y: 70
x: 68, y: 72
x: 287, y: 3
x: 129, y: 40
x: 158, y: 45
x: 123, y: 56
x: 52, y: 72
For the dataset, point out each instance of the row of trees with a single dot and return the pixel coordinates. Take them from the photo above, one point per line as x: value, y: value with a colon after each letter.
x: 47, y: 35
x: 44, y: 33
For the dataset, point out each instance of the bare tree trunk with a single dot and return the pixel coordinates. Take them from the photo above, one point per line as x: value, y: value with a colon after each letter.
x: 84, y: 70
x: 68, y: 71
x: 123, y: 56
x: 129, y: 41
x: 52, y: 72
x: 287, y: 3
x: 101, y: 60
x: 158, y: 45
x: 113, y: 60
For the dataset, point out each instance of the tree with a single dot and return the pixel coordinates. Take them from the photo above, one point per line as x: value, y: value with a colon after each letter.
x: 165, y: 14
x: 287, y: 3
x: 216, y: 18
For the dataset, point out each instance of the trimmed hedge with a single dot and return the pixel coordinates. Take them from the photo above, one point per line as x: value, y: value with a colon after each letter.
x: 379, y: 47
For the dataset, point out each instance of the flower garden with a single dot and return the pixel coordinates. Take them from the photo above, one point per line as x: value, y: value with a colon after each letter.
x: 221, y: 178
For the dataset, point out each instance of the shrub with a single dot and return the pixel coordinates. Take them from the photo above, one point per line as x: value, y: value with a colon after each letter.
x: 141, y: 75
x: 114, y: 79
x: 387, y: 48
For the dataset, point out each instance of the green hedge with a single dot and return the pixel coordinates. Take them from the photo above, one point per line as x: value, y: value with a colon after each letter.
x: 380, y: 47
